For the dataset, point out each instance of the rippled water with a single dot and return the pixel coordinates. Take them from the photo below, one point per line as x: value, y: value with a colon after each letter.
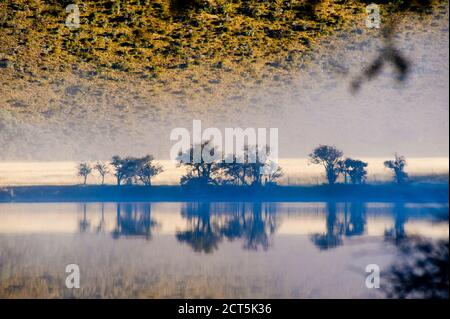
x: 203, y: 249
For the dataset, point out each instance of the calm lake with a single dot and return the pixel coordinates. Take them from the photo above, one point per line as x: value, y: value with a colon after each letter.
x: 210, y: 250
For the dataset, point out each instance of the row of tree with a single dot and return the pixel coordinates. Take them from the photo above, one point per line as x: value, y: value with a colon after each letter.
x: 128, y: 170
x: 252, y: 168
x: 334, y: 163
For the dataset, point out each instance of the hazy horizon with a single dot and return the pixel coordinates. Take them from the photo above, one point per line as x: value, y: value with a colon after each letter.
x: 296, y: 171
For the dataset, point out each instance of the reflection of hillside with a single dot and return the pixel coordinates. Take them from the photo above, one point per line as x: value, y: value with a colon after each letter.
x: 134, y: 220
x: 208, y: 224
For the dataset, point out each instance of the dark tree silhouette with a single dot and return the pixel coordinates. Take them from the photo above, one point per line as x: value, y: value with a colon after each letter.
x: 200, y: 171
x: 84, y: 170
x: 102, y: 169
x: 120, y: 168
x: 253, y: 168
x: 257, y: 161
x: 398, y: 167
x: 147, y: 169
x: 235, y: 170
x: 135, y: 169
x: 131, y: 168
x: 355, y: 169
x: 329, y: 157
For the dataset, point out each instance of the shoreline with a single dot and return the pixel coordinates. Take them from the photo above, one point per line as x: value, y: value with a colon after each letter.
x: 413, y: 193
x: 296, y: 171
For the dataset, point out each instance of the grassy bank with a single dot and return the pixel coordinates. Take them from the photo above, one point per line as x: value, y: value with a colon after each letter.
x: 415, y: 193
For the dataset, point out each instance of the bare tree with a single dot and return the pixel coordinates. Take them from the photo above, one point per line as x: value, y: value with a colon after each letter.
x: 398, y: 167
x: 103, y: 169
x: 147, y: 169
x: 84, y: 170
x: 273, y: 172
x: 253, y: 168
x: 256, y: 158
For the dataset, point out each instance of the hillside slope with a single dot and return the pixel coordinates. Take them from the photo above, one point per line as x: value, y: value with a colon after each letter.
x: 136, y: 65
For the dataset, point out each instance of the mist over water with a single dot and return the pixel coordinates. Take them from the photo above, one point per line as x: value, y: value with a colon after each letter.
x: 207, y: 249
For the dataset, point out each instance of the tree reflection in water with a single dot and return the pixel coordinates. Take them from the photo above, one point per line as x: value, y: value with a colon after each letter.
x: 202, y: 235
x: 101, y: 227
x: 422, y: 267
x: 351, y: 223
x: 209, y: 224
x: 84, y: 223
x: 397, y: 234
x: 334, y: 229
x: 134, y: 220
x: 256, y: 226
x: 421, y: 270
x: 354, y: 219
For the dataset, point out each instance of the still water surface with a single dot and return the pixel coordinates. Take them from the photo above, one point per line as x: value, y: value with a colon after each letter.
x: 207, y: 250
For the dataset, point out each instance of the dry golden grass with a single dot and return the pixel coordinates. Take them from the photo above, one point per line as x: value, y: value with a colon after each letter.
x: 62, y: 86
x: 152, y: 53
